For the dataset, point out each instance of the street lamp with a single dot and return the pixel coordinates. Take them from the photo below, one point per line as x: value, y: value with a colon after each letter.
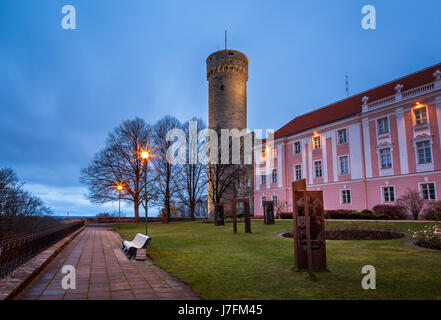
x: 119, y: 188
x: 145, y: 155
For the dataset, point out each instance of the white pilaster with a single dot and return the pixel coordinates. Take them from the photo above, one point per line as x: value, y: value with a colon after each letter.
x: 325, y: 158
x: 334, y: 157
x: 367, y: 147
x: 402, y: 145
x: 279, y: 166
x: 311, y: 181
x: 438, y: 112
x: 355, y: 151
x: 304, y: 143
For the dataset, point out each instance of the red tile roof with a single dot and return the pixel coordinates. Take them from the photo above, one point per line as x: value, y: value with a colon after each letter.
x: 352, y: 105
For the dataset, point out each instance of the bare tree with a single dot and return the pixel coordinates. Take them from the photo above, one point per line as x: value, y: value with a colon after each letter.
x: 166, y: 185
x: 20, y: 212
x: 193, y: 177
x: 279, y: 206
x: 412, y: 201
x: 120, y: 163
x: 223, y: 178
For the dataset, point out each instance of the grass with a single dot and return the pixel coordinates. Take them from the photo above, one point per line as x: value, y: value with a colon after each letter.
x: 220, y: 265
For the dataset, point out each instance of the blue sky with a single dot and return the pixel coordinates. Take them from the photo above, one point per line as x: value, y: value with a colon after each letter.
x: 62, y: 91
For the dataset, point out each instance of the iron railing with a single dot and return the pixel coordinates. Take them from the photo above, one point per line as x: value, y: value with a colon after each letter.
x: 17, y: 251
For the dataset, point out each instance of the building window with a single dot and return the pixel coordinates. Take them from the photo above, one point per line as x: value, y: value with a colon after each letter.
x: 274, y: 176
x: 275, y: 200
x: 344, y: 165
x: 248, y: 183
x: 385, y: 158
x: 383, y: 126
x: 263, y: 199
x: 318, y: 169
x: 346, y: 196
x: 274, y: 153
x: 262, y: 156
x: 297, y: 147
x: 424, y: 152
x: 388, y: 194
x: 263, y: 179
x: 428, y: 191
x: 342, y: 136
x: 298, y: 172
x: 420, y: 115
x: 316, y: 143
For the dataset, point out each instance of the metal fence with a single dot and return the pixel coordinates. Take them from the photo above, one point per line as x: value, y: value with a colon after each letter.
x: 15, y: 252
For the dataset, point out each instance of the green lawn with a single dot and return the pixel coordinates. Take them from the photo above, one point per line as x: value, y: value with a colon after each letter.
x: 221, y: 265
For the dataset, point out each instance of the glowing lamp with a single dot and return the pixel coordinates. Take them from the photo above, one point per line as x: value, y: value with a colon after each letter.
x: 145, y: 155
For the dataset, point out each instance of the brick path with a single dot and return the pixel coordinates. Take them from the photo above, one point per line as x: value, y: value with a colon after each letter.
x: 103, y: 272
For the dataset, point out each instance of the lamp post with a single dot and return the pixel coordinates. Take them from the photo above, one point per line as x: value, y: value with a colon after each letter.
x: 119, y: 188
x: 145, y: 156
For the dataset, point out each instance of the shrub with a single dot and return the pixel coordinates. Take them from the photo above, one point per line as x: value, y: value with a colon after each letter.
x: 354, y: 215
x: 412, y: 201
x: 429, y: 237
x: 433, y: 211
x: 338, y: 214
x: 285, y: 215
x: 366, y: 211
x: 391, y: 211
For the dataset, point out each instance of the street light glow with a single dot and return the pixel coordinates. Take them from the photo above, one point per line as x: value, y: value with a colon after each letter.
x: 145, y: 155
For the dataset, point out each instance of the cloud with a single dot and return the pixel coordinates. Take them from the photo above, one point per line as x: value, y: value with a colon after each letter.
x: 73, y: 200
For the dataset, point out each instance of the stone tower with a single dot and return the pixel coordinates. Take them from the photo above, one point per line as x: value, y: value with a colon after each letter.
x: 227, y: 76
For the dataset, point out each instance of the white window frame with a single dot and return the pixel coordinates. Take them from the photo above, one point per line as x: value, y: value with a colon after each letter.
x: 415, y: 124
x: 314, y: 147
x: 272, y: 175
x: 321, y: 169
x: 339, y: 166
x: 346, y: 136
x: 263, y: 179
x: 261, y: 200
x: 294, y: 147
x: 341, y: 196
x: 378, y: 126
x: 380, y: 160
x: 418, y: 155
x: 420, y: 188
x: 295, y: 172
x: 383, y: 200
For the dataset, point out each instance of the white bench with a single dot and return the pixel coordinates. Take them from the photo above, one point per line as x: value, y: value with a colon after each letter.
x: 140, y: 241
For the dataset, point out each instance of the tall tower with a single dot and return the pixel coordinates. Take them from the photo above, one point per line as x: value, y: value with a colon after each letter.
x: 227, y: 76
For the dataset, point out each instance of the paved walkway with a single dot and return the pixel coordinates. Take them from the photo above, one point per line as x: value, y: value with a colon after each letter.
x: 103, y: 272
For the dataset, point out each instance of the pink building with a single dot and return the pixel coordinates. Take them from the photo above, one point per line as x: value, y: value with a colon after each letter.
x: 362, y: 151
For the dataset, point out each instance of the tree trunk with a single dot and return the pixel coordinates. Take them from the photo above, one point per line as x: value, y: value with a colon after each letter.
x: 136, y: 206
x: 192, y: 213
